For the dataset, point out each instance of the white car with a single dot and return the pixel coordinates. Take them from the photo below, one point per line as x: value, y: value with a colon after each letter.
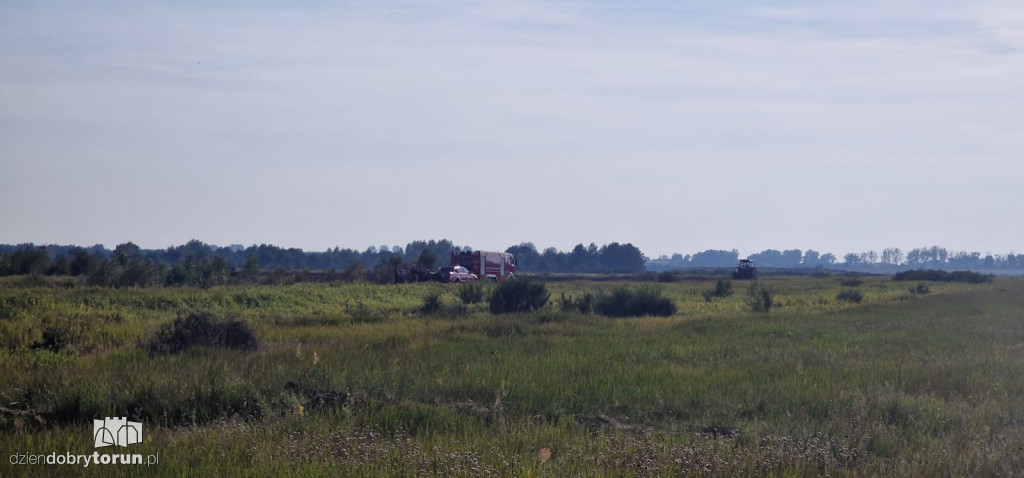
x: 454, y: 274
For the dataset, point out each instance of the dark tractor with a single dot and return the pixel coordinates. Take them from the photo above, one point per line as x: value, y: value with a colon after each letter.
x: 746, y: 270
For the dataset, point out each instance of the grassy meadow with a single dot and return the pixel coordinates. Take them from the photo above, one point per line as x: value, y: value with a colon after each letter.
x: 358, y: 380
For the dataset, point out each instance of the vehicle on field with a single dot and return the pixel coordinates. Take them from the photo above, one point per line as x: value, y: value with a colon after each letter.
x: 492, y: 266
x: 454, y: 274
x: 745, y: 270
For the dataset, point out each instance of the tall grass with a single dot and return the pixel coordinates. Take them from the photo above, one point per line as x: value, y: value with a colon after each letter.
x: 900, y: 384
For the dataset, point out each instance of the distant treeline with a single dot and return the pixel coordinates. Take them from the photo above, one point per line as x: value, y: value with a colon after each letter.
x: 200, y: 264
x: 889, y: 260
x: 204, y: 265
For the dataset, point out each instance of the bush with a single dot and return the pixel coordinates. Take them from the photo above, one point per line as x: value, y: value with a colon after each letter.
x: 666, y: 276
x: 202, y: 329
x: 920, y: 289
x: 583, y: 304
x: 55, y: 339
x: 849, y: 295
x: 471, y: 293
x: 759, y: 298
x: 431, y: 303
x: 722, y: 289
x: 518, y: 295
x: 853, y: 282
x: 625, y: 302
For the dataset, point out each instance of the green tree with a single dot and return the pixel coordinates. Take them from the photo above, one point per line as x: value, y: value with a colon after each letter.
x: 30, y: 260
x: 251, y: 270
x: 427, y: 259
x: 214, y: 272
x: 84, y: 263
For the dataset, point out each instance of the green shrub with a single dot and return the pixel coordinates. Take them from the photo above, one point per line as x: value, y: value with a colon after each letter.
x: 723, y: 288
x: 203, y: 329
x: 626, y: 302
x: 431, y: 303
x: 759, y: 298
x: 471, y: 293
x: 518, y: 295
x: 850, y: 295
x: 920, y: 289
x: 851, y: 282
x: 55, y: 339
x: 666, y: 276
x: 583, y: 304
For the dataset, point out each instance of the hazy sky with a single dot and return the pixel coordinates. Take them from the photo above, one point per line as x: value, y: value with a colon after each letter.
x: 677, y: 126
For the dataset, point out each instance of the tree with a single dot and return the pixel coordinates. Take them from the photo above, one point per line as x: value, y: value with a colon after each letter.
x: 527, y: 257
x: 916, y: 257
x: 715, y: 258
x: 767, y: 258
x: 869, y: 257
x: 622, y: 258
x: 250, y: 273
x: 892, y: 256
x: 84, y: 263
x: 427, y: 259
x: 61, y: 266
x: 30, y: 260
x: 214, y: 271
x: 811, y: 258
x: 792, y: 257
x: 126, y: 252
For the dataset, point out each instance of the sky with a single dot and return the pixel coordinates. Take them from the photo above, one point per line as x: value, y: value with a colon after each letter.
x: 675, y: 126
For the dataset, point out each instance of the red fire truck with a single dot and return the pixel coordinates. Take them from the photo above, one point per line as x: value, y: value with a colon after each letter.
x: 492, y: 266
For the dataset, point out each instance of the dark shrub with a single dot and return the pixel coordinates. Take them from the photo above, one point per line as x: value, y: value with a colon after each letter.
x: 55, y: 339
x: 666, y: 276
x: 471, y: 293
x: 759, y: 298
x: 518, y: 295
x: 202, y: 329
x: 920, y: 289
x: 431, y: 303
x: 849, y: 295
x: 625, y: 302
x: 583, y: 304
x: 852, y: 282
x: 723, y: 288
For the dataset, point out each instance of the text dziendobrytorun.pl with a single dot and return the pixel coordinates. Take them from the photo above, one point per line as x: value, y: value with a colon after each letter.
x: 95, y: 458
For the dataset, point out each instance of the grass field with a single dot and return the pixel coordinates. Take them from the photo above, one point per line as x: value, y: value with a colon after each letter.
x: 354, y: 379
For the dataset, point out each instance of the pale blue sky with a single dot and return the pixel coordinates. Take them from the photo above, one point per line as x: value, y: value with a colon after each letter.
x: 677, y: 126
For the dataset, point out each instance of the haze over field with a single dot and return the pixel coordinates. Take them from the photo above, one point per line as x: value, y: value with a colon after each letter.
x: 841, y: 127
